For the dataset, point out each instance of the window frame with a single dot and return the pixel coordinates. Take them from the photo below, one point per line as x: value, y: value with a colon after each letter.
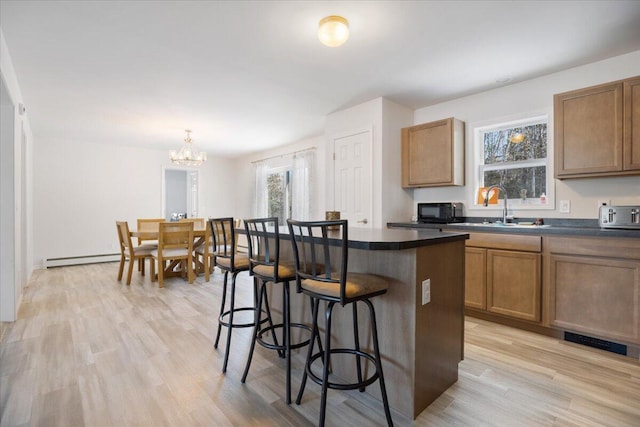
x: 479, y: 168
x: 298, y: 169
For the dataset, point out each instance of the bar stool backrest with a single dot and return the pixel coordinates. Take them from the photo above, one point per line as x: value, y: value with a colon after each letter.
x: 224, y: 238
x: 314, y: 260
x: 263, y: 242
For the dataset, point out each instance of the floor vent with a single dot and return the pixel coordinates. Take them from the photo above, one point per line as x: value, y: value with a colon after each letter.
x: 596, y: 343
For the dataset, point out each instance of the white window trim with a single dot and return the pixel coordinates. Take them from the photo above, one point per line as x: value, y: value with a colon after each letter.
x: 301, y: 191
x: 476, y: 148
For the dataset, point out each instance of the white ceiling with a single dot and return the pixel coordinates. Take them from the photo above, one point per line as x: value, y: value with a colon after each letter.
x: 249, y: 75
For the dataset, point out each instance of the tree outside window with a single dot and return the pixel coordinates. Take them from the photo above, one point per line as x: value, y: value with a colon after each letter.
x: 279, y: 195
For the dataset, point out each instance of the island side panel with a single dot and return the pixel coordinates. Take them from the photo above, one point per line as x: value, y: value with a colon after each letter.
x: 439, y: 330
x: 395, y: 317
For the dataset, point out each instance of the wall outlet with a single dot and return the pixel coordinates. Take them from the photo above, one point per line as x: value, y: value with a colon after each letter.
x: 426, y: 291
x: 603, y: 203
x: 565, y: 206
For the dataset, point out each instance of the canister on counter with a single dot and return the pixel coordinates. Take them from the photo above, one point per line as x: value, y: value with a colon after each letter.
x: 332, y: 216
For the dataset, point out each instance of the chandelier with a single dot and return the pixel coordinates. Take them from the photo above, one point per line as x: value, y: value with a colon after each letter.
x: 188, y: 155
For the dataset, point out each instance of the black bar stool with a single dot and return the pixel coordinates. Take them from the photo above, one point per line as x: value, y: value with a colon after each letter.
x: 325, y: 278
x: 263, y: 240
x: 230, y: 261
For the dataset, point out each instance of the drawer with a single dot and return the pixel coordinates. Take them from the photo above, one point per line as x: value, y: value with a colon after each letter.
x: 622, y: 248
x: 514, y: 242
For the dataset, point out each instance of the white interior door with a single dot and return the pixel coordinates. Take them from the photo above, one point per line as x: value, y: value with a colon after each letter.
x: 353, y: 191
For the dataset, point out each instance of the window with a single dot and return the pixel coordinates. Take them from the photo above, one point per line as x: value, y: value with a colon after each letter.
x: 514, y: 155
x: 279, y: 194
x: 283, y: 186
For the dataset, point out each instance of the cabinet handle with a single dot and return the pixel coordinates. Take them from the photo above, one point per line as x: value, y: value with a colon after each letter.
x: 364, y: 221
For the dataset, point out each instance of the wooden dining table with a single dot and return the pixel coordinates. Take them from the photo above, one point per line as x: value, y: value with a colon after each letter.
x: 201, y: 237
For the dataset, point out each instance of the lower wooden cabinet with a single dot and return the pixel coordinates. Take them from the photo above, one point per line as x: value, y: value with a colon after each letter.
x: 475, y: 279
x: 503, y: 275
x: 586, y: 285
x: 593, y: 286
x: 513, y: 284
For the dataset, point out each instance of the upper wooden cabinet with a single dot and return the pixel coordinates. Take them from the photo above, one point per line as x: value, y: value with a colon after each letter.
x: 433, y: 154
x: 631, y: 147
x: 597, y: 130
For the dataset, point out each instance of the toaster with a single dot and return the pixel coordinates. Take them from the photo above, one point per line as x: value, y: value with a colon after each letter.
x: 619, y: 217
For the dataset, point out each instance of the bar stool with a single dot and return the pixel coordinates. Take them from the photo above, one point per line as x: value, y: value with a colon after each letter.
x: 263, y: 240
x: 229, y: 261
x: 324, y: 278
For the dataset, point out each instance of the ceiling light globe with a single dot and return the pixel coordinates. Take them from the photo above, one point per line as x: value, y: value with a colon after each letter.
x: 333, y: 31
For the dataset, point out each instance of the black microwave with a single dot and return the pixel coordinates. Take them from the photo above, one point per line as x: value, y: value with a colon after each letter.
x: 440, y: 213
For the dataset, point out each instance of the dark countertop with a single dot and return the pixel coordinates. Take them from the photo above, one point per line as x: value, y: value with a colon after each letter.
x: 389, y: 239
x: 564, y: 227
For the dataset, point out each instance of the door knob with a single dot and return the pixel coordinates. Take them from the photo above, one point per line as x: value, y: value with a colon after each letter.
x: 364, y: 221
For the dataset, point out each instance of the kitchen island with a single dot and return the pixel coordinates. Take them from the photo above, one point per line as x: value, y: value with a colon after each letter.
x: 421, y: 344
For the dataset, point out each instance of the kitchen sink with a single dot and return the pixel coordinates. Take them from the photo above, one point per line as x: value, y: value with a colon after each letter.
x: 501, y: 225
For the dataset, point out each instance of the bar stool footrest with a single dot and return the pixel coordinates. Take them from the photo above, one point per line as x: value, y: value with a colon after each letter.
x: 239, y: 325
x: 267, y: 344
x: 343, y: 386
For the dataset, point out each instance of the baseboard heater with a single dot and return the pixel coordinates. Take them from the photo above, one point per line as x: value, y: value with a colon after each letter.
x: 596, y: 343
x: 79, y: 260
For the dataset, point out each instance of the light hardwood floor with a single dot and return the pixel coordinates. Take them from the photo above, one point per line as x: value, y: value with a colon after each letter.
x: 89, y: 351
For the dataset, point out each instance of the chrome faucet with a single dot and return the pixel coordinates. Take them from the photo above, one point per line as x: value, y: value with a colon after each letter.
x: 504, y: 210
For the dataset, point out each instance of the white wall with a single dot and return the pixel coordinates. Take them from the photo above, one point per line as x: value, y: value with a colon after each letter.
x: 82, y: 188
x: 534, y: 96
x: 9, y: 298
x: 396, y: 202
x: 245, y: 176
x: 15, y: 208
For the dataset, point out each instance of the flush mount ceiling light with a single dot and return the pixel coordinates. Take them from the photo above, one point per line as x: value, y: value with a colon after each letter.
x: 333, y: 30
x: 188, y: 155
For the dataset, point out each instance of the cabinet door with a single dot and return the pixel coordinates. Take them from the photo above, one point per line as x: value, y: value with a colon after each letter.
x: 631, y: 152
x: 433, y: 154
x: 513, y: 284
x: 475, y: 279
x: 589, y: 131
x: 595, y: 295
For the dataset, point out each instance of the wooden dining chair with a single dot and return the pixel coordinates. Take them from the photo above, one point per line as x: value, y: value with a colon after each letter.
x: 148, y: 224
x: 203, y: 252
x: 131, y: 253
x: 175, y: 243
x: 197, y: 222
x: 151, y: 225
